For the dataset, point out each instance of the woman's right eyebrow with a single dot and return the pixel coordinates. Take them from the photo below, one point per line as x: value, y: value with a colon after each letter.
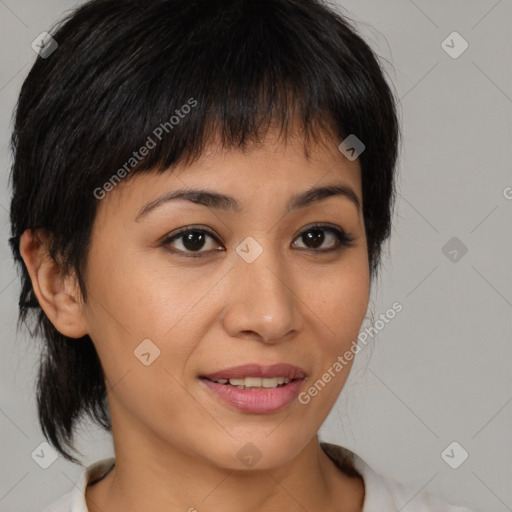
x: 207, y: 198
x: 217, y: 200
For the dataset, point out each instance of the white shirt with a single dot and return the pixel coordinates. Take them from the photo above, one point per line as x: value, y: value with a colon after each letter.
x: 382, y: 494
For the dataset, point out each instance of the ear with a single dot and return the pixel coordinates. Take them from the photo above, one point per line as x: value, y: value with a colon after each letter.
x: 58, y: 295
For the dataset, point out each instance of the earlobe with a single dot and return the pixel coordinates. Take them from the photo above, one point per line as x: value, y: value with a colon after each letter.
x: 58, y: 295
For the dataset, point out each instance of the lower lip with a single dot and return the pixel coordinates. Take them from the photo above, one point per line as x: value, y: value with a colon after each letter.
x: 256, y: 401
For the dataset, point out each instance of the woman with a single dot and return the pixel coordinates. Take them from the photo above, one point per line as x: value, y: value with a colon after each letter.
x: 201, y: 190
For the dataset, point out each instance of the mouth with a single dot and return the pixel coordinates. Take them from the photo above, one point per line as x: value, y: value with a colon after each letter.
x: 255, y: 376
x: 254, y: 388
x: 254, y: 382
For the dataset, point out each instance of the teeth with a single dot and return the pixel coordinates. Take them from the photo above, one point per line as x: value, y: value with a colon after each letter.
x: 255, y: 382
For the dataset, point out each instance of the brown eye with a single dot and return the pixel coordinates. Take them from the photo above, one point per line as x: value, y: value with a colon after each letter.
x: 190, y: 241
x: 193, y: 240
x: 314, y: 238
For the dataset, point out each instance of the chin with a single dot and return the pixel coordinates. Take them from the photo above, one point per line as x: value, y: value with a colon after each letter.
x: 260, y: 451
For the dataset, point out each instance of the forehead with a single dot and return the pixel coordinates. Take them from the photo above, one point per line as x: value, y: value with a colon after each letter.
x: 275, y: 167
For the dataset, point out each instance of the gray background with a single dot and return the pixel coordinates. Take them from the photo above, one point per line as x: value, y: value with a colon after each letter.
x: 439, y: 371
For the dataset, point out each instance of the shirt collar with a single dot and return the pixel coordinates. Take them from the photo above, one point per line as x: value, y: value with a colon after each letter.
x: 377, y: 494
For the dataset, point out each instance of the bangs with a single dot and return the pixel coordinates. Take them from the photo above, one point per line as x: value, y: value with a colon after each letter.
x: 229, y: 73
x: 168, y: 78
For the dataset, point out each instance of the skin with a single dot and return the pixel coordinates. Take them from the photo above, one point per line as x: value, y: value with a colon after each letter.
x: 176, y: 444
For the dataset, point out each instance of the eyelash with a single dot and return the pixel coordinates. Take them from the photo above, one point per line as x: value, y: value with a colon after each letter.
x: 343, y: 239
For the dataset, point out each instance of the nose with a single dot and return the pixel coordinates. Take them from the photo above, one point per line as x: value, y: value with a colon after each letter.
x: 264, y: 301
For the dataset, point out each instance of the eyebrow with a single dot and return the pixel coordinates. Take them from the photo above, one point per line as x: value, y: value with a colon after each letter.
x: 220, y: 201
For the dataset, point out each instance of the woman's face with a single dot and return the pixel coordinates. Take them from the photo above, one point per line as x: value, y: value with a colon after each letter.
x: 251, y: 284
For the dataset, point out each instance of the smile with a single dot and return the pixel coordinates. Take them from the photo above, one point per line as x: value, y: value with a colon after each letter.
x: 254, y: 382
x: 256, y: 389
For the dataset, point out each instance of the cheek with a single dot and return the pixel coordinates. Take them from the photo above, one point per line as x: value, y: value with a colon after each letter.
x: 130, y: 294
x: 130, y: 303
x: 140, y: 327
x: 339, y: 297
x: 339, y: 303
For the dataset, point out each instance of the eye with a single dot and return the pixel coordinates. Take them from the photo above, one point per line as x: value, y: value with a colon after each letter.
x: 314, y: 237
x: 190, y: 240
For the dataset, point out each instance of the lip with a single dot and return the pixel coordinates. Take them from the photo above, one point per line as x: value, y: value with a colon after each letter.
x: 260, y: 401
x: 256, y: 370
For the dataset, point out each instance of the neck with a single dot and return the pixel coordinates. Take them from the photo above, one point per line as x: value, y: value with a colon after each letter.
x: 156, y: 477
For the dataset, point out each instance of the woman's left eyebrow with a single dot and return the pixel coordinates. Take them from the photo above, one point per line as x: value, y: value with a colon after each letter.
x: 220, y: 201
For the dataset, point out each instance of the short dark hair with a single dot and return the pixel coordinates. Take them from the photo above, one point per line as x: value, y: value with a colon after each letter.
x: 122, y: 68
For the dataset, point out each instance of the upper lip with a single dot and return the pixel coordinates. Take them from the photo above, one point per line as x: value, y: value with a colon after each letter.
x: 288, y: 371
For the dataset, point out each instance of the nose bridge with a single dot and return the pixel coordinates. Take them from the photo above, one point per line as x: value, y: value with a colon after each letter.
x: 263, y: 302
